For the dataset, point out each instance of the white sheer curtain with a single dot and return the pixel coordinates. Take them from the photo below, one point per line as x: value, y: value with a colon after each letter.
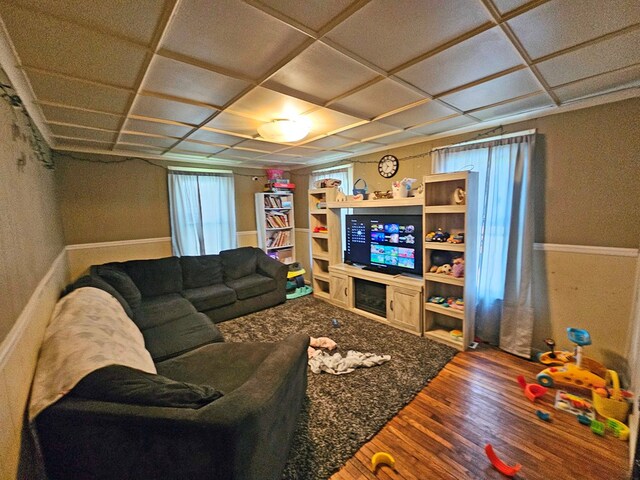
x: 203, y: 212
x: 504, y: 314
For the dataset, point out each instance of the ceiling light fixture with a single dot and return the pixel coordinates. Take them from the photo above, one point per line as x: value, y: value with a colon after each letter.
x: 284, y: 130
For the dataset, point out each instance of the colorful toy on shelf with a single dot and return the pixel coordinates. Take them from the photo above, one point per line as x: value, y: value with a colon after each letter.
x: 457, y: 238
x: 532, y: 391
x: 574, y: 374
x: 502, y: 467
x: 437, y: 236
x: 436, y: 299
x: 456, y: 334
x: 445, y: 269
x: 455, y: 303
x: 457, y: 270
x: 320, y: 229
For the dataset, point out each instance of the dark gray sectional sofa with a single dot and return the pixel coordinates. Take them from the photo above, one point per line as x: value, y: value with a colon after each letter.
x: 175, y: 302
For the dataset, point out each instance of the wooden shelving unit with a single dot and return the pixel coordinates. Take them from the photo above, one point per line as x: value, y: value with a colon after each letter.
x: 323, y: 248
x: 440, y: 211
x: 275, y: 225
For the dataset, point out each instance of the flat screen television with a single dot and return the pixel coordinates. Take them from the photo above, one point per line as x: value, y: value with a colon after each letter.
x: 385, y: 243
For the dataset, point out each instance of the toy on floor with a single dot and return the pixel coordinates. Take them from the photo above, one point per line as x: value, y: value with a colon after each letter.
x: 574, y: 404
x: 546, y: 416
x: 553, y: 357
x: 532, y: 391
x: 382, y: 458
x: 574, y: 374
x: 619, y: 429
x: 295, y: 282
x: 502, y: 467
x: 609, y: 400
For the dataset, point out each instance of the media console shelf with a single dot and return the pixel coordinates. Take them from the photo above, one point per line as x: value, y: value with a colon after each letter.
x: 395, y: 300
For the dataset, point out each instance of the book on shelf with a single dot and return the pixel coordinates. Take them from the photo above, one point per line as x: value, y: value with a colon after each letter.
x: 277, y: 220
x: 278, y: 239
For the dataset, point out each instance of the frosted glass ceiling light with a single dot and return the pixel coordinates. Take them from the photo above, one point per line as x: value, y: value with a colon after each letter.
x: 284, y: 130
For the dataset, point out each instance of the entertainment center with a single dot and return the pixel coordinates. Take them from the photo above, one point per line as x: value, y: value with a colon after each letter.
x: 389, y: 269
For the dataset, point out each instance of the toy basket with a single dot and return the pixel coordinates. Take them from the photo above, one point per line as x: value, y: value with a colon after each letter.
x: 360, y: 190
x: 616, y: 406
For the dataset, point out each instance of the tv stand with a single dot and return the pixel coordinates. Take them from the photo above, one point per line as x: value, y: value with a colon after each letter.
x: 395, y: 300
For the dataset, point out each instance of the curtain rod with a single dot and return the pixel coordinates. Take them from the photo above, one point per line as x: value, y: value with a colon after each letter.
x: 488, y: 139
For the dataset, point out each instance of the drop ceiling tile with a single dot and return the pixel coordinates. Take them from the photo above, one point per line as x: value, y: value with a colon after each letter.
x: 160, y: 142
x: 81, y: 117
x: 379, y: 98
x: 247, y: 154
x: 626, y: 78
x: 170, y: 110
x: 445, y: 125
x: 260, y: 145
x: 557, y: 25
x: 64, y: 144
x: 229, y: 122
x: 79, y: 94
x: 215, y: 137
x: 417, y: 115
x: 528, y: 104
x: 188, y: 146
x: 483, y: 55
x: 311, y: 14
x: 113, y: 16
x: 232, y: 35
x: 505, y: 6
x: 266, y: 105
x: 322, y: 73
x: 333, y: 141
x: 54, y: 45
x: 503, y: 88
x: 397, y: 137
x: 368, y: 130
x: 156, y: 128
x: 360, y: 146
x: 325, y: 120
x: 149, y: 149
x: 612, y: 54
x: 390, y: 33
x: 301, y: 151
x: 182, y: 80
x: 83, y: 133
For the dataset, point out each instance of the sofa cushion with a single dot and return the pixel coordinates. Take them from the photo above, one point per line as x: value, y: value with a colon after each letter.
x: 201, y: 271
x: 213, y: 296
x: 120, y: 384
x: 155, y: 311
x: 239, y: 262
x: 97, y: 282
x: 118, y: 279
x: 180, y: 335
x: 155, y: 277
x: 252, y: 285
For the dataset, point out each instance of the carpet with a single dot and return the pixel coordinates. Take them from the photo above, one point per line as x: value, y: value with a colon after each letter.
x: 342, y: 412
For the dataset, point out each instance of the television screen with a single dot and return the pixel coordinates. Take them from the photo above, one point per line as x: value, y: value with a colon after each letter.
x: 385, y: 243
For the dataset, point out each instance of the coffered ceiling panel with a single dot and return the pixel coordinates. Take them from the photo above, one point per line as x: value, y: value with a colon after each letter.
x: 194, y: 79
x: 72, y: 116
x: 322, y: 73
x: 379, y: 98
x: 612, y: 54
x: 500, y: 89
x: 561, y: 24
x: 58, y: 46
x: 389, y: 33
x: 485, y: 54
x: 232, y: 35
x: 180, y: 80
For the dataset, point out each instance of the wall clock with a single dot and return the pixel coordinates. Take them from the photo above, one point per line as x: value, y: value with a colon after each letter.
x: 388, y: 166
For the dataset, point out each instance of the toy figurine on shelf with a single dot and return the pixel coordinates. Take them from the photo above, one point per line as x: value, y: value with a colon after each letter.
x: 457, y: 238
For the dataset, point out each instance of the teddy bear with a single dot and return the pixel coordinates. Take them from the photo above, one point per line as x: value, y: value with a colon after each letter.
x: 457, y: 270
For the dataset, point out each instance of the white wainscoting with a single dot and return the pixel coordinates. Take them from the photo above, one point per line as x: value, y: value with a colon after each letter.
x: 18, y: 355
x: 247, y: 238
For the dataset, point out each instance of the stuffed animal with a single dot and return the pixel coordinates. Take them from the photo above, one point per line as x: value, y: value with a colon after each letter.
x: 446, y: 269
x: 340, y: 196
x: 457, y: 270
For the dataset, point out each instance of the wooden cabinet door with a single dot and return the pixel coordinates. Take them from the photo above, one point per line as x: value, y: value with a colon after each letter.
x: 339, y: 290
x: 404, y: 309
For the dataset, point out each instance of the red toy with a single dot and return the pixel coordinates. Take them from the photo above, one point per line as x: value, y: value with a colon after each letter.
x: 531, y: 390
x: 502, y: 467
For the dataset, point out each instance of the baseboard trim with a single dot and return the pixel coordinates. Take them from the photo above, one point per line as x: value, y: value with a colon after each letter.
x: 586, y: 249
x: 25, y: 317
x: 118, y: 243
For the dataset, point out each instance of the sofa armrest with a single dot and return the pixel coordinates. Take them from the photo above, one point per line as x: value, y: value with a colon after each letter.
x: 271, y: 267
x: 232, y: 437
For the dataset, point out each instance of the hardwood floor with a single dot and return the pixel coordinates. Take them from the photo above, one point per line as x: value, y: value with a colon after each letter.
x: 476, y: 400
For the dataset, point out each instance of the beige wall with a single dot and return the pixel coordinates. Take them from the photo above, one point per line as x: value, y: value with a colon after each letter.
x: 112, y: 201
x: 30, y: 228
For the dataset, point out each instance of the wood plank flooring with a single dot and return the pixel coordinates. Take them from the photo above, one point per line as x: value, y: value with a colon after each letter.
x: 476, y: 400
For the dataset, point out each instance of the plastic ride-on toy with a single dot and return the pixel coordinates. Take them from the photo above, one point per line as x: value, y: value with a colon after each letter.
x: 574, y: 374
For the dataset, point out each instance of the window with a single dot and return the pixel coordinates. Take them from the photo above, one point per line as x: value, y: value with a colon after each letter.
x: 202, y: 208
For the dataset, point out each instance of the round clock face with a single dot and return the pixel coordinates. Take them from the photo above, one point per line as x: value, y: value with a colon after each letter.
x: 388, y: 166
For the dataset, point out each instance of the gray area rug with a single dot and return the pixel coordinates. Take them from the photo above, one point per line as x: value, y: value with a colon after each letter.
x: 342, y: 412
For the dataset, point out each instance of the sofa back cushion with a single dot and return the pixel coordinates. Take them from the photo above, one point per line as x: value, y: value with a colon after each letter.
x: 157, y: 276
x: 201, y: 271
x: 97, y: 282
x: 118, y: 279
x: 239, y: 262
x: 121, y: 384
